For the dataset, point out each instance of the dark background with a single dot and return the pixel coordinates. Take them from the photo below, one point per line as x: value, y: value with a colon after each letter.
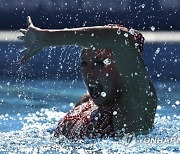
x: 139, y: 14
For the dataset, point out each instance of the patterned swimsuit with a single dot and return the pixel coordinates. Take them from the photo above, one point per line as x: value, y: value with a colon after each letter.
x: 87, y: 120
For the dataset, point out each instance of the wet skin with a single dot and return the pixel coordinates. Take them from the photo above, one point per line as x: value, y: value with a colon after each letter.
x: 100, y: 76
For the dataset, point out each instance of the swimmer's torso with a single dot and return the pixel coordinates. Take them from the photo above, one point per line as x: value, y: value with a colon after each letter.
x: 86, y: 120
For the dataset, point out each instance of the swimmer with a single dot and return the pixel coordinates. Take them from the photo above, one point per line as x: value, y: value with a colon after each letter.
x: 121, y: 98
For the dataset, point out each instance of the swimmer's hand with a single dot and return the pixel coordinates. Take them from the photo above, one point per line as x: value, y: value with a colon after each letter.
x: 32, y: 40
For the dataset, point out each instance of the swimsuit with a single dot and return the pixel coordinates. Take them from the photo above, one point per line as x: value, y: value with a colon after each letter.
x: 87, y: 120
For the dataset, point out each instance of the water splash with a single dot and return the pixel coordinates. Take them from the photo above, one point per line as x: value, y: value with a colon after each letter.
x: 33, y: 136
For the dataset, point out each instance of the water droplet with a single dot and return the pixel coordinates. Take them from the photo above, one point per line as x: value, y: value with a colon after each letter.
x: 158, y: 107
x: 92, y: 34
x: 6, y: 115
x: 142, y: 6
x: 153, y: 28
x: 96, y: 118
x: 8, y: 83
x: 94, y: 48
x: 135, y: 73
x: 168, y: 101
x: 174, y: 115
x: 136, y: 44
x: 158, y: 75
x: 125, y: 34
x: 157, y: 51
x: 115, y: 113
x: 19, y: 95
x: 173, y: 106
x: 118, y: 31
x: 103, y: 94
x: 126, y: 42
x: 107, y: 61
x: 71, y: 104
x: 131, y: 31
x: 175, y: 60
x: 177, y: 102
x: 169, y: 89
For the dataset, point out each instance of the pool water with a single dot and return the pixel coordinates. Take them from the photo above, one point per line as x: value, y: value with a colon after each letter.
x: 31, y: 105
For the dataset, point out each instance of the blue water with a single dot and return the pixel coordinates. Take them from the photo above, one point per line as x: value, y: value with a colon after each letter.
x: 35, y: 98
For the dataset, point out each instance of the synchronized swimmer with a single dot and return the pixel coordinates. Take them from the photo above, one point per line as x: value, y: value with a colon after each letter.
x: 121, y: 97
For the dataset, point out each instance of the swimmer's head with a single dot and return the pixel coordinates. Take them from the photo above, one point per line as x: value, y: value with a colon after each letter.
x: 100, y: 75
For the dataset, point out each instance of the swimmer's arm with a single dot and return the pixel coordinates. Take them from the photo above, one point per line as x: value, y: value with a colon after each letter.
x: 35, y: 38
x: 97, y: 36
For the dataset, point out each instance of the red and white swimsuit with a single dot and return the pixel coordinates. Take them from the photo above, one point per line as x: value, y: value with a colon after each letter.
x: 87, y: 120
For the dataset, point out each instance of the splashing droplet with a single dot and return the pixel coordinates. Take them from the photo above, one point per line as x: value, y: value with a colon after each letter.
x: 126, y: 42
x: 125, y: 34
x: 71, y: 104
x: 103, y: 94
x: 92, y: 34
x: 169, y: 89
x: 177, y: 102
x: 136, y: 44
x: 157, y: 51
x: 153, y: 28
x: 118, y: 31
x: 131, y: 31
x: 115, y: 113
x: 142, y: 6
x: 107, y: 61
x: 158, y: 107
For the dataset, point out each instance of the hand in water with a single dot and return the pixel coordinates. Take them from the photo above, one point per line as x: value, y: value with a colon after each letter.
x: 31, y: 39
